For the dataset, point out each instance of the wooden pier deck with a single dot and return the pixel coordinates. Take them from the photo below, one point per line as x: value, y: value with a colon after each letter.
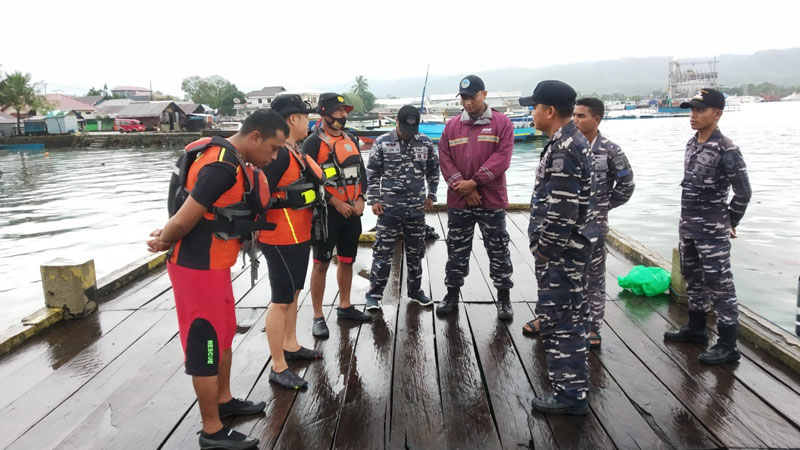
x: 408, y: 380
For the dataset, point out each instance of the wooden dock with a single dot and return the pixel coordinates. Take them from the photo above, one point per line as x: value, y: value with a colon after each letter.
x: 408, y: 380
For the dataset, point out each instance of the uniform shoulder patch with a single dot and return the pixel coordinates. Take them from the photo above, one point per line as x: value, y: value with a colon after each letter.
x: 729, y: 161
x: 558, y: 164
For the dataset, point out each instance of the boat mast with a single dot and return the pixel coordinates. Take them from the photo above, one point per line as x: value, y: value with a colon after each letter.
x: 422, y: 102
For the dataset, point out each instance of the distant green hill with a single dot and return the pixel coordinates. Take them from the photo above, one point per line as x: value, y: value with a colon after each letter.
x: 633, y: 76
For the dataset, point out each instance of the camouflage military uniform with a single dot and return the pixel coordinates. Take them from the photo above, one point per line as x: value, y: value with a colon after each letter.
x: 613, y: 179
x: 710, y: 170
x: 396, y: 176
x: 460, y: 230
x: 562, y: 231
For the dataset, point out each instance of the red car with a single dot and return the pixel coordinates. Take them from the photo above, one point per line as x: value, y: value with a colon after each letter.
x: 128, y: 125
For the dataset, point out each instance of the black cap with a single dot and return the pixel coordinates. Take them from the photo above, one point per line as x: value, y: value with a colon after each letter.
x: 705, y: 98
x: 470, y: 86
x: 288, y: 104
x: 408, y: 119
x: 330, y: 102
x: 551, y: 93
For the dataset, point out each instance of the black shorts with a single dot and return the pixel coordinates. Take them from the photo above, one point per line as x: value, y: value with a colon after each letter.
x: 287, y: 266
x: 342, y: 234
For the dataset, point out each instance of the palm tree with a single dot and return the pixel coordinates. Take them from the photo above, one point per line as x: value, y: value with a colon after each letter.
x: 16, y: 90
x: 361, y: 87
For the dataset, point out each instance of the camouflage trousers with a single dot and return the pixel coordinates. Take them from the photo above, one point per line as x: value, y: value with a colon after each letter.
x: 596, y: 283
x: 460, y: 229
x: 388, y: 231
x: 706, y: 267
x: 563, y: 312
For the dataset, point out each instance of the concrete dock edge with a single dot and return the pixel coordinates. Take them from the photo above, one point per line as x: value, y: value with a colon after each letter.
x: 44, y: 318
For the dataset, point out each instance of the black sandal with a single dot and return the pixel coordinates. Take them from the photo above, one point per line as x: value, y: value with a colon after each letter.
x: 595, y: 341
x: 534, y: 330
x: 302, y: 354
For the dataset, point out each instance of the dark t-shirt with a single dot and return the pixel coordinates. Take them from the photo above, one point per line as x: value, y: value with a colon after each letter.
x: 213, y: 180
x: 274, y: 171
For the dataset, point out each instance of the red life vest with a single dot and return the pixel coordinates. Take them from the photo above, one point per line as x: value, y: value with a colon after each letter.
x: 341, y: 162
x: 215, y: 241
x: 291, y: 208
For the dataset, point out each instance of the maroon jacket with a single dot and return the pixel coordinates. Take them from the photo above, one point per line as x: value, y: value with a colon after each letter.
x: 478, y: 150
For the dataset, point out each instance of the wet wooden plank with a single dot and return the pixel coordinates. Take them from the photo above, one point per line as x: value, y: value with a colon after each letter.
x: 135, y: 298
x: 524, y: 283
x: 119, y: 296
x: 510, y: 392
x: 260, y: 295
x: 94, y: 413
x: 621, y: 420
x: 674, y: 422
x: 468, y: 420
x: 365, y: 415
x: 570, y: 432
x: 30, y: 364
x: 267, y: 427
x: 686, y: 384
x: 519, y: 236
x: 249, y: 361
x: 361, y: 268
x: 768, y: 385
x: 144, y: 417
x: 311, y: 423
x: 416, y: 414
x: 727, y: 407
x: 27, y: 422
x: 678, y: 314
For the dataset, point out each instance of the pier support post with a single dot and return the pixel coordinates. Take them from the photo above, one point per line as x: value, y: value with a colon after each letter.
x: 70, y: 285
x: 677, y: 286
x: 797, y: 312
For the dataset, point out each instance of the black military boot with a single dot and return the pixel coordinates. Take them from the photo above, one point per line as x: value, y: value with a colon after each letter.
x: 504, y: 311
x: 695, y: 331
x: 558, y: 405
x: 724, y: 350
x: 450, y: 302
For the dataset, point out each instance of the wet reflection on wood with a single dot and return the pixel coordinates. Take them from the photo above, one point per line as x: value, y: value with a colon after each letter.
x: 407, y: 380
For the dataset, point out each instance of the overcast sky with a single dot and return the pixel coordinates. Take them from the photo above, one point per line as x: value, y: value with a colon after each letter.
x: 308, y: 44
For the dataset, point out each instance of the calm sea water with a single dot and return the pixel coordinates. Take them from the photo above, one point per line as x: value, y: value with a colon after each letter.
x: 102, y: 204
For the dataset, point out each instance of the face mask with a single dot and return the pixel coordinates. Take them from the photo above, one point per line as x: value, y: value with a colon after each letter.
x: 336, y: 123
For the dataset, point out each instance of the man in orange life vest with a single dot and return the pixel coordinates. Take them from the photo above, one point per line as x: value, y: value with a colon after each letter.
x: 214, y: 196
x: 294, y: 182
x: 339, y: 156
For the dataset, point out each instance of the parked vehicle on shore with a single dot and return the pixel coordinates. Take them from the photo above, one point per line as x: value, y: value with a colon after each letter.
x: 128, y: 125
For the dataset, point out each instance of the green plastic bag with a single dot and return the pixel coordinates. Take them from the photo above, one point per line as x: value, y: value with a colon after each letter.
x: 647, y: 281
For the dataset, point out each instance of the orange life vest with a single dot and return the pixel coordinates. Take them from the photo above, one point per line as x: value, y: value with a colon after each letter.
x: 292, y: 205
x: 340, y: 161
x: 215, y: 241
